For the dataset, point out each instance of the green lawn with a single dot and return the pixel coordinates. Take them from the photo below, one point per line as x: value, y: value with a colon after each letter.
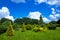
x: 30, y: 35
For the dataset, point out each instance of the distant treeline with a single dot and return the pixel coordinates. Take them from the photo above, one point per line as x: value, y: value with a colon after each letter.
x: 27, y: 21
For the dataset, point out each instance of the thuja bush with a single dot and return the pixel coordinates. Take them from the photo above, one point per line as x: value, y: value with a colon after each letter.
x: 51, y: 26
x: 38, y: 29
x: 35, y: 28
x: 16, y: 26
x: 23, y: 27
x: 29, y: 27
x: 10, y: 31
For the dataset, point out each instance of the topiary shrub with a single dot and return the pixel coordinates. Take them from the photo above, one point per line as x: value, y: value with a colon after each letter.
x: 16, y: 26
x: 41, y: 29
x: 23, y: 28
x: 29, y: 27
x: 10, y: 31
x: 52, y: 27
x: 36, y: 29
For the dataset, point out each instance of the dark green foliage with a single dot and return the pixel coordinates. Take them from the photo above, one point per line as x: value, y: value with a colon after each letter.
x: 18, y: 21
x: 26, y: 21
x: 34, y: 21
x: 51, y: 26
x: 0, y: 21
x: 53, y: 22
x: 22, y: 20
x: 5, y: 19
x: 2, y: 31
x: 16, y: 26
x: 41, y: 20
x: 58, y: 22
x: 58, y: 25
x: 4, y: 27
x: 29, y: 27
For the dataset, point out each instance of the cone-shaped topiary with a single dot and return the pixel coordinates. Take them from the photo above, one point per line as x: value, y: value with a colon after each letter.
x: 10, y: 31
x: 23, y: 27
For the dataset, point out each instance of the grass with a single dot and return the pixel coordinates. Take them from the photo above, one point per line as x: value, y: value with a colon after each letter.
x: 30, y: 35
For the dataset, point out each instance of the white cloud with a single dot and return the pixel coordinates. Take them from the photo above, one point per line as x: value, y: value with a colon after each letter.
x: 40, y: 1
x: 57, y: 15
x: 18, y: 1
x: 54, y: 16
x: 53, y: 11
x: 10, y: 17
x: 50, y: 2
x: 4, y: 13
x: 46, y: 20
x: 36, y: 15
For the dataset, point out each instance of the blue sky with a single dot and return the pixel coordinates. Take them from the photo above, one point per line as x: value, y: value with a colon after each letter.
x: 12, y: 9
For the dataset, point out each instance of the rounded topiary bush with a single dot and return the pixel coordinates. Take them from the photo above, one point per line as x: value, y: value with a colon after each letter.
x: 41, y: 29
x: 29, y: 27
x: 16, y: 26
x: 52, y: 27
x: 36, y: 29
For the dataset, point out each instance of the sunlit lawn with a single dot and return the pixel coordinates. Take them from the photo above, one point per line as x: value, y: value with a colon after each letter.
x: 31, y: 35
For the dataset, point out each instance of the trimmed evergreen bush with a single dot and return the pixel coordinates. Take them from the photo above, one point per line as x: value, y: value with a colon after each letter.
x: 16, y: 26
x: 23, y: 28
x: 29, y: 27
x: 10, y: 31
x: 52, y: 27
x: 36, y: 29
x: 41, y: 29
